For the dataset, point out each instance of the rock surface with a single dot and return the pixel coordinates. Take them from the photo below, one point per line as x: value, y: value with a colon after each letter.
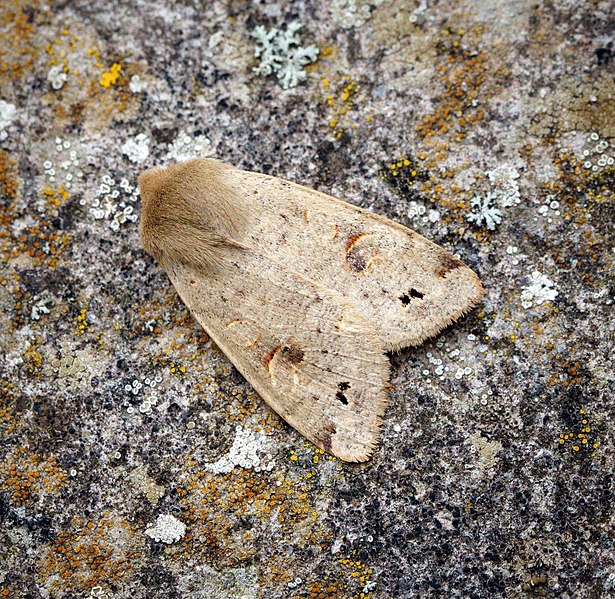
x: 488, y: 127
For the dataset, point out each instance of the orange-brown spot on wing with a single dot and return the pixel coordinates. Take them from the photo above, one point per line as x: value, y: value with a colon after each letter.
x: 270, y: 355
x: 448, y: 263
x: 233, y: 323
x: 306, y: 216
x: 336, y: 231
x: 282, y: 359
x: 352, y: 240
x: 358, y: 258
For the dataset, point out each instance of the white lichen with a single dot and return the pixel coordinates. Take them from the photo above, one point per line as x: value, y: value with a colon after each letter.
x: 415, y: 210
x: 137, y: 148
x: 280, y: 53
x: 115, y: 205
x: 418, y: 14
x: 186, y: 148
x: 541, y: 289
x: 247, y: 452
x: 101, y: 593
x: 168, y: 529
x: 484, y: 212
x: 598, y: 153
x: 137, y: 85
x: 504, y: 182
x: 369, y: 586
x: 8, y: 112
x: 41, y: 307
x: 57, y: 77
x: 65, y: 172
x: 350, y: 13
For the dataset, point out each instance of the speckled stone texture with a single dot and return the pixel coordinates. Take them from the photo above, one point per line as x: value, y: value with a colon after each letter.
x: 488, y: 127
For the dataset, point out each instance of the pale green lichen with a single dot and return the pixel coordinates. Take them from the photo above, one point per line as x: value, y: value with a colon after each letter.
x: 280, y: 53
x: 484, y: 212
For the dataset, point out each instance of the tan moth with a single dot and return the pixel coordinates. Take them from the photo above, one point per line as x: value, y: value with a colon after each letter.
x: 303, y: 292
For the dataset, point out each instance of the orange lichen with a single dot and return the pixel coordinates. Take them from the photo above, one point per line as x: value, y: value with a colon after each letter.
x: 18, y: 51
x: 466, y: 77
x: 39, y: 241
x: 466, y: 74
x: 74, y: 112
x: 8, y: 421
x: 351, y: 579
x: 580, y: 437
x: 361, y: 574
x: 28, y: 476
x: 566, y: 372
x: 579, y: 193
x: 214, y: 504
x: 9, y: 183
x: 32, y: 359
x: 99, y: 90
x: 325, y: 590
x: 100, y: 553
x: 55, y: 197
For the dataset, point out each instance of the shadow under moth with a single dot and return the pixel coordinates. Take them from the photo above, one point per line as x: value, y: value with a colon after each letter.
x: 303, y: 292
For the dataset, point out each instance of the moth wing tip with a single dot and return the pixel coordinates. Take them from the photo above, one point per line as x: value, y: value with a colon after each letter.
x: 355, y: 457
x: 475, y: 292
x: 363, y: 451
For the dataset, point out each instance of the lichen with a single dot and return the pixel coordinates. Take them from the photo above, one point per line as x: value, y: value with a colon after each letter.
x: 540, y: 289
x: 116, y: 407
x: 280, y: 52
x: 136, y: 148
x: 484, y: 212
x: 167, y: 529
x: 8, y: 113
x: 186, y: 147
x: 110, y: 77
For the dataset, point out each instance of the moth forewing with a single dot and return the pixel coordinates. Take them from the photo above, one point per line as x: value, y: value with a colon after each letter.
x: 408, y: 285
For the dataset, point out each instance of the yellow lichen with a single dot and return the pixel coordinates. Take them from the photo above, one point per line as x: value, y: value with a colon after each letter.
x: 340, y: 100
x: 110, y: 77
x: 82, y: 323
x: 577, y: 437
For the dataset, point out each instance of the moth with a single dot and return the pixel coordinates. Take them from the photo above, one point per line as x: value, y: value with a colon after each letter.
x: 303, y: 292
